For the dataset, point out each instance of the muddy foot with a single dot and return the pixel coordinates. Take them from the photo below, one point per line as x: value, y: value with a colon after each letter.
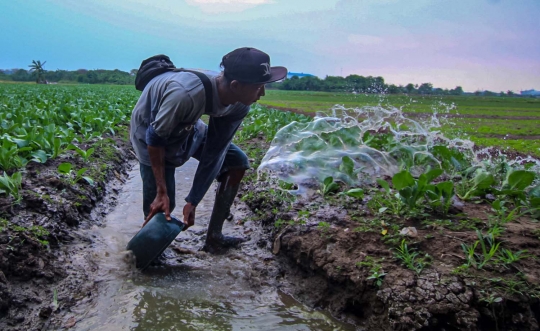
x: 222, y: 244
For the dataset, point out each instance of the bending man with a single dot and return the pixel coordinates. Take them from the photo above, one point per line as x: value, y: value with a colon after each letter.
x: 166, y: 131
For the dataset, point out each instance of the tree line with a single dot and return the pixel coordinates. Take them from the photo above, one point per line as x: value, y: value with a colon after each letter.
x: 359, y: 84
x: 83, y: 76
x: 351, y: 83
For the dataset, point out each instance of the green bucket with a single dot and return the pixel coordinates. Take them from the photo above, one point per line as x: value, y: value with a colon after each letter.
x: 153, y: 239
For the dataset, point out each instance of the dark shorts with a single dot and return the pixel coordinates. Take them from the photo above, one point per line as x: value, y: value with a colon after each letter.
x: 234, y: 159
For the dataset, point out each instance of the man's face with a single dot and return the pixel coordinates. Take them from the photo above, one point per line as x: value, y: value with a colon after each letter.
x: 249, y: 93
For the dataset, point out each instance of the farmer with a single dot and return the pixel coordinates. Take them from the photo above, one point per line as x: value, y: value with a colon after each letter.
x: 166, y: 131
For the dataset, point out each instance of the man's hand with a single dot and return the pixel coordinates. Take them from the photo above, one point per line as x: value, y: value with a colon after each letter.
x: 189, y: 215
x: 160, y: 204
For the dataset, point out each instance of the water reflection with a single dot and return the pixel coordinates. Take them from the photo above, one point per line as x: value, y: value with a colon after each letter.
x: 159, y: 310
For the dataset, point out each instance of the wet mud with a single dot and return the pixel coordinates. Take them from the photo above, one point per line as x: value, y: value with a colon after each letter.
x: 330, y: 250
x: 67, y: 284
x: 44, y: 264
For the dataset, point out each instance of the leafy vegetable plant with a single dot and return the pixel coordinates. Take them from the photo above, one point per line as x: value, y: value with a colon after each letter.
x: 11, y: 185
x: 72, y: 176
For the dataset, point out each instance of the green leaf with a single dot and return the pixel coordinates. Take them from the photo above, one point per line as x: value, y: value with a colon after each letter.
x: 535, y: 192
x: 383, y: 184
x: 355, y: 193
x: 496, y: 204
x: 81, y: 171
x: 519, y: 179
x: 89, y: 180
x: 446, y: 189
x: 432, y: 174
x: 483, y: 180
x: 39, y: 156
x: 328, y: 180
x: 65, y: 168
x: 402, y: 179
x: 347, y: 167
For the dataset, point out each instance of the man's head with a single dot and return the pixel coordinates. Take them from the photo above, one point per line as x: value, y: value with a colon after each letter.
x: 246, y: 70
x: 249, y: 65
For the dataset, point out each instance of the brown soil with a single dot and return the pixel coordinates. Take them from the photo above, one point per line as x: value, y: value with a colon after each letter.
x: 329, y: 267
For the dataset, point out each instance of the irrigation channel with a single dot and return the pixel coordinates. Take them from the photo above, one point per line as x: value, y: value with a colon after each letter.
x: 189, y: 290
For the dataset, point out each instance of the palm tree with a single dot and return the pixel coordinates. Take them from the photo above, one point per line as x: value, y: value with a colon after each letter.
x: 37, y: 67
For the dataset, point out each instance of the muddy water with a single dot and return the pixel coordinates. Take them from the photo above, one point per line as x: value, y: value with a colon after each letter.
x: 188, y: 290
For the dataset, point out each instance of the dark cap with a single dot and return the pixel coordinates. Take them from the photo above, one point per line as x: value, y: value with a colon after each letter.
x: 251, y: 66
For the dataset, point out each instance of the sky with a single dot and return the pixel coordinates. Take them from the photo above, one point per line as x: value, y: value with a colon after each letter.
x: 477, y: 44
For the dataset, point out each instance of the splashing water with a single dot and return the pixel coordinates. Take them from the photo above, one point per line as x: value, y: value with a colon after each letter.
x: 380, y: 141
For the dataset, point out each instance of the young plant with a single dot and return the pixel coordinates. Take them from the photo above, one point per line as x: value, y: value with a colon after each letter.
x: 410, y: 258
x: 9, y: 155
x: 329, y: 186
x: 534, y: 201
x: 477, y: 186
x: 323, y: 227
x: 347, y: 168
x: 514, y: 185
x: 386, y: 201
x: 72, y: 176
x: 85, y: 155
x: 377, y: 274
x: 411, y: 190
x: 505, y: 214
x: 440, y: 196
x: 478, y: 261
x: 357, y: 193
x: 11, y: 185
x: 507, y: 257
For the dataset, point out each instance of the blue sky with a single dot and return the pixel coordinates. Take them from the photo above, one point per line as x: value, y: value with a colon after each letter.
x: 478, y: 44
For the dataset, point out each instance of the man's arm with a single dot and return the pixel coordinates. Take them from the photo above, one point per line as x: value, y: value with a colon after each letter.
x: 220, y: 133
x: 161, y: 202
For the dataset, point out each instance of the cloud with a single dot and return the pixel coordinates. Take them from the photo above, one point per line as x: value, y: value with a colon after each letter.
x: 222, y: 6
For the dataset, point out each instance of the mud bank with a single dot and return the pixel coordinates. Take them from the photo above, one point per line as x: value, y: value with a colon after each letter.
x: 334, y: 256
x: 43, y: 263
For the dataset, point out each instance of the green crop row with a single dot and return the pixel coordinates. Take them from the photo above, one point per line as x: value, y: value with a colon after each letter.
x: 38, y: 122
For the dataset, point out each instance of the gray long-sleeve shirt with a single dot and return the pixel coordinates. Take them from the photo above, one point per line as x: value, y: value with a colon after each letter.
x: 167, y: 114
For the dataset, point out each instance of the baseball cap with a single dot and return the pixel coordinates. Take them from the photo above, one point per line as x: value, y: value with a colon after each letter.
x: 251, y: 66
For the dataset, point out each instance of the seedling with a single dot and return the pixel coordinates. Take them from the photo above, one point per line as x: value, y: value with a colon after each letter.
x: 329, y: 186
x: 84, y: 154
x: 11, y: 185
x: 410, y: 258
x: 73, y: 177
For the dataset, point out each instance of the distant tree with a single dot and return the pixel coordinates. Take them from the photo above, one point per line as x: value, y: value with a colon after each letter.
x: 335, y: 83
x: 393, y: 89
x: 425, y: 88
x: 510, y: 93
x: 36, y: 68
x: 439, y: 91
x: 410, y: 88
x: 133, y: 72
x: 21, y: 75
x: 457, y: 91
x: 5, y: 76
